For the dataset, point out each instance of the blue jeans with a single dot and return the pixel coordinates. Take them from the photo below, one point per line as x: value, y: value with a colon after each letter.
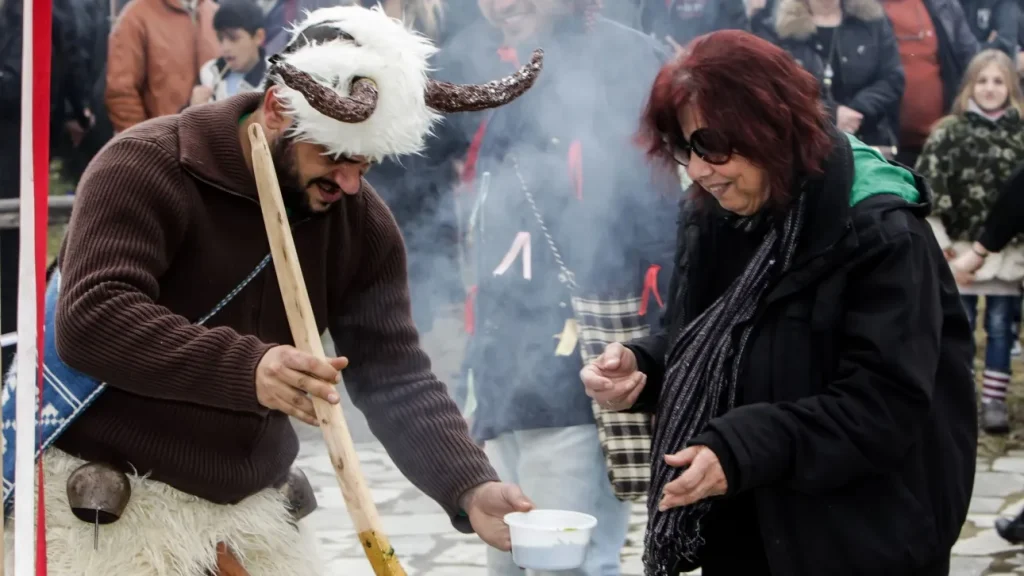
x: 563, y: 468
x: 1001, y: 313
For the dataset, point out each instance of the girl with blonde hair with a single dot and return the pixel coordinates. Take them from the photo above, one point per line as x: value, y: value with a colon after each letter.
x: 966, y: 160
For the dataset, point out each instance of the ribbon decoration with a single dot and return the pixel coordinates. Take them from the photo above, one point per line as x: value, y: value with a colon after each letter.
x: 29, y: 514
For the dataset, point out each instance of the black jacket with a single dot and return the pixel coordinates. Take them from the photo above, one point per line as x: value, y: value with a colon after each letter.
x: 870, y: 75
x: 1001, y: 17
x: 957, y: 44
x: 856, y: 436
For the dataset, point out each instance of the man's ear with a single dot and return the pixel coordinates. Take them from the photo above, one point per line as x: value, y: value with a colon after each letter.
x: 275, y: 117
x: 260, y: 37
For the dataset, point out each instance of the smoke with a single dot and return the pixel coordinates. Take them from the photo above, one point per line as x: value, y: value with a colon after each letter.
x: 572, y: 136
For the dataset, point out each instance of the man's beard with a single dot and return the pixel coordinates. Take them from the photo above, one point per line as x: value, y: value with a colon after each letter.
x: 296, y: 201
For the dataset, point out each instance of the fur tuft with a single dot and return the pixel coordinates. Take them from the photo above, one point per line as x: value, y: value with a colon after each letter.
x: 384, y: 51
x: 793, y: 18
x: 165, y: 532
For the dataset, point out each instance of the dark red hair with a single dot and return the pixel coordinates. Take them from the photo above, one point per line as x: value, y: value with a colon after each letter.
x: 752, y: 92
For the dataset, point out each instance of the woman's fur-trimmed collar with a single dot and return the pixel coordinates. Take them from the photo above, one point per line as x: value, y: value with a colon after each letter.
x: 793, y: 19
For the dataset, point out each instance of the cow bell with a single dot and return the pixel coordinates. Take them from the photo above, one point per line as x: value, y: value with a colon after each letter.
x: 98, y: 494
x: 299, y: 495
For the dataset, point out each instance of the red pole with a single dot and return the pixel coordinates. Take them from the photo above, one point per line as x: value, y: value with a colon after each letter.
x: 42, y: 23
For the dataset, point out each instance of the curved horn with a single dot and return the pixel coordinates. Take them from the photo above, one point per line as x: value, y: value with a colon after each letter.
x: 446, y: 97
x: 354, y: 108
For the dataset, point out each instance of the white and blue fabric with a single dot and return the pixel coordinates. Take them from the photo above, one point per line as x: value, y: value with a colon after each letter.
x: 66, y: 392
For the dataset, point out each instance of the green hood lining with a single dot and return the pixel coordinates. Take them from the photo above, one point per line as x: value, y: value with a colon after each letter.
x: 873, y: 175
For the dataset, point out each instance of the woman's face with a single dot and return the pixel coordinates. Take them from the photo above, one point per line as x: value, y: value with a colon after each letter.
x: 739, y: 186
x: 990, y: 89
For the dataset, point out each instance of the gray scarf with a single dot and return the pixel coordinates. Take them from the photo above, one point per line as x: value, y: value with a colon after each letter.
x: 701, y: 368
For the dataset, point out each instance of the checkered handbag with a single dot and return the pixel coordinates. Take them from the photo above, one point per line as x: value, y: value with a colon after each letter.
x: 625, y: 437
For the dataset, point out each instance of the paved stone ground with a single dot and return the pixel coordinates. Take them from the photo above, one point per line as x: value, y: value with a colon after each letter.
x: 427, y: 545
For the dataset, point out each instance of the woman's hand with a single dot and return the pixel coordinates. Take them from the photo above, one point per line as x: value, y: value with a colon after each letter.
x: 612, y: 379
x: 703, y: 479
x: 848, y: 119
x: 965, y: 265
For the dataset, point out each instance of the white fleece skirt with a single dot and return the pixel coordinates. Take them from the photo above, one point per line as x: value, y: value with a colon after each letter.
x: 165, y: 532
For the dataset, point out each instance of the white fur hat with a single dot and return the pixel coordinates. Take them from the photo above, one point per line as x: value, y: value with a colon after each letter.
x: 355, y: 82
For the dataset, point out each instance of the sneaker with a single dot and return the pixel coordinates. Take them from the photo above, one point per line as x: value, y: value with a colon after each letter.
x: 1016, y: 350
x: 995, y: 417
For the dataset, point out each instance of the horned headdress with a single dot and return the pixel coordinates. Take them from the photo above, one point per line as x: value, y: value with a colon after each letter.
x: 355, y: 82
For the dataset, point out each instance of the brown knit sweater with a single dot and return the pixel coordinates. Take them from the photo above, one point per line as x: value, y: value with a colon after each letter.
x: 166, y: 223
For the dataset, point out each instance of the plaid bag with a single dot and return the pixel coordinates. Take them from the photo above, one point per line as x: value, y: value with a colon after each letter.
x: 625, y: 437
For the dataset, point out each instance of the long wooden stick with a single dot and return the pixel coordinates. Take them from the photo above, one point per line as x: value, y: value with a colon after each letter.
x: 357, y: 496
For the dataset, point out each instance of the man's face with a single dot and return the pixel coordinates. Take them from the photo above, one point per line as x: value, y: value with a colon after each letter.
x: 522, y: 20
x: 240, y: 49
x: 310, y: 181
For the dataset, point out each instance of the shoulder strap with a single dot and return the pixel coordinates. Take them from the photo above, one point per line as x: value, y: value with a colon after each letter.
x: 568, y: 278
x: 234, y: 292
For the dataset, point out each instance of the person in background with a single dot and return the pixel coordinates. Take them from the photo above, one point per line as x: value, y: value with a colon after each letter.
x: 564, y: 208
x: 439, y: 20
x: 966, y: 160
x: 242, y: 61
x: 282, y: 15
x: 851, y: 49
x: 677, y: 22
x: 935, y: 46
x: 420, y: 190
x: 1002, y: 227
x: 156, y: 50
x: 70, y: 117
x: 811, y: 388
x: 995, y: 23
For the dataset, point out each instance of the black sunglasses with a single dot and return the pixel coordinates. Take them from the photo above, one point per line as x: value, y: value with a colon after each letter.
x: 709, y: 145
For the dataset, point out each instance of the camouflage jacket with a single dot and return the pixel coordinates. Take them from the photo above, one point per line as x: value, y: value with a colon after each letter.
x: 965, y: 161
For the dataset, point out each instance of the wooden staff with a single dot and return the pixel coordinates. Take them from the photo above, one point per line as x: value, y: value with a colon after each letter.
x: 357, y: 496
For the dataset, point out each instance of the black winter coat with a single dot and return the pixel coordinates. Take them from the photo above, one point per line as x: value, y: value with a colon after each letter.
x: 856, y: 436
x: 957, y: 44
x: 870, y: 74
x: 999, y: 17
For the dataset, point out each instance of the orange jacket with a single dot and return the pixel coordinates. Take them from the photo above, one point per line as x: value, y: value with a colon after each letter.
x: 155, y: 52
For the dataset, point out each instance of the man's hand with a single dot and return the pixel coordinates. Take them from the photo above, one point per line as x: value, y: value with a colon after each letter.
x: 848, y: 120
x: 200, y: 95
x: 487, y: 505
x: 612, y: 379
x: 703, y: 479
x: 285, y: 375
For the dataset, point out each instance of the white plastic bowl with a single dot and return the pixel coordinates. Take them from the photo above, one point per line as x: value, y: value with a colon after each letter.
x: 550, y: 539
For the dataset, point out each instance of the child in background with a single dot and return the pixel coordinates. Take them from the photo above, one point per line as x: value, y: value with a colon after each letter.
x: 966, y: 160
x: 242, y: 62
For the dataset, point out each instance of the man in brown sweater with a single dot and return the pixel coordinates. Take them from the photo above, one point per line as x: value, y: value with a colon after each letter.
x: 167, y: 222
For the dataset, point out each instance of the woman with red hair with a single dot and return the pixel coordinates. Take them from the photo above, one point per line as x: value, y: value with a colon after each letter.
x: 812, y: 389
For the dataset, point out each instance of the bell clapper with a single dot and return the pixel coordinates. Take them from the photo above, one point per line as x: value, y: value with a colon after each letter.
x: 96, y: 532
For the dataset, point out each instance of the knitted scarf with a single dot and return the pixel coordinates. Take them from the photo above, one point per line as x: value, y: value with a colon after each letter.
x: 701, y: 368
